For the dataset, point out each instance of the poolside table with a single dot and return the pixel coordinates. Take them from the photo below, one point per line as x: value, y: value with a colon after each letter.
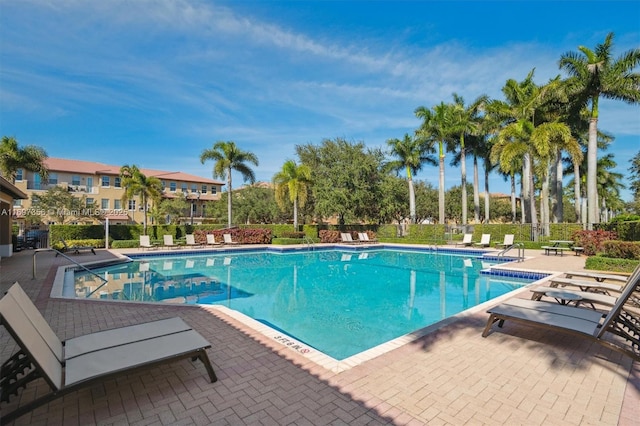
x: 564, y: 297
x: 558, y: 246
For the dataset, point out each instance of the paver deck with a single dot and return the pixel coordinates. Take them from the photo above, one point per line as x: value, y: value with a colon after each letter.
x: 518, y: 375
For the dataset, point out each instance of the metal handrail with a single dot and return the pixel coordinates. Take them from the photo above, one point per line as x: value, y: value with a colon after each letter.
x: 59, y: 253
x: 308, y: 241
x: 520, y: 247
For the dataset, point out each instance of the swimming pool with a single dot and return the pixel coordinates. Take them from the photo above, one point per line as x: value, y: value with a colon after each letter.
x: 340, y: 302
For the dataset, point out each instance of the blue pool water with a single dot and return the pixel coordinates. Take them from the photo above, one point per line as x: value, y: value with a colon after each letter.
x: 338, y: 302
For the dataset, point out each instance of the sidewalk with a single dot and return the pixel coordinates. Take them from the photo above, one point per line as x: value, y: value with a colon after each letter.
x: 517, y: 375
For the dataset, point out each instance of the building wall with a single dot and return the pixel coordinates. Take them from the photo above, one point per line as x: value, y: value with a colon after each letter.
x: 105, y: 191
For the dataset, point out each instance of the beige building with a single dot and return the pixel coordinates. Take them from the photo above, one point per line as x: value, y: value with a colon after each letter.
x: 9, y: 196
x: 101, y: 185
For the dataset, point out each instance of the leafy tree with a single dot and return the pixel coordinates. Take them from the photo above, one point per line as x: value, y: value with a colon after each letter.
x: 594, y: 74
x: 12, y: 158
x: 393, y: 205
x: 169, y: 210
x: 345, y: 178
x: 292, y: 184
x: 426, y: 201
x: 254, y: 204
x: 410, y: 154
x: 57, y: 202
x: 229, y: 157
x: 135, y: 183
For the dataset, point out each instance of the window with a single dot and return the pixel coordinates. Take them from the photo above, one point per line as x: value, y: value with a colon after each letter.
x: 106, y: 181
x: 116, y: 182
x: 194, y: 187
x: 164, y: 185
x: 53, y: 178
x: 104, y: 203
x: 203, y: 210
x: 75, y: 180
x: 117, y: 204
x: 183, y: 187
x: 17, y: 203
x: 214, y: 190
x: 203, y: 189
x: 89, y: 184
x: 172, y: 187
x: 132, y: 204
x: 36, y: 181
x: 19, y: 173
x: 89, y: 202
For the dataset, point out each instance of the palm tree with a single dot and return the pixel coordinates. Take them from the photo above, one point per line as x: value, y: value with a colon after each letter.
x: 136, y: 183
x: 229, y: 157
x: 592, y: 75
x: 411, y: 153
x: 436, y: 126
x: 293, y: 180
x: 13, y: 158
x: 465, y: 121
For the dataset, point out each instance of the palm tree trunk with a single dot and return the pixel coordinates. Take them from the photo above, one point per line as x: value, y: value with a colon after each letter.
x: 513, y: 198
x: 412, y: 198
x: 463, y: 172
x: 532, y: 198
x: 592, y: 164
x: 577, y: 192
x: 545, y: 213
x: 476, y: 191
x: 487, y: 196
x: 295, y: 214
x: 558, y: 214
x: 144, y: 209
x: 441, y: 186
x: 229, y: 193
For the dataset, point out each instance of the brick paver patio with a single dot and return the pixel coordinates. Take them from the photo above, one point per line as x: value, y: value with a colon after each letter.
x: 518, y: 375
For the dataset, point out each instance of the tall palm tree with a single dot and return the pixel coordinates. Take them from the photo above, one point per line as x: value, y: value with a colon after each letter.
x: 410, y: 153
x: 135, y: 183
x: 465, y: 121
x: 229, y: 157
x: 292, y: 183
x: 436, y: 126
x: 13, y: 157
x: 594, y: 74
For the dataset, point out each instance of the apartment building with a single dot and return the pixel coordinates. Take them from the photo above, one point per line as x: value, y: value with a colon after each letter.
x: 101, y: 185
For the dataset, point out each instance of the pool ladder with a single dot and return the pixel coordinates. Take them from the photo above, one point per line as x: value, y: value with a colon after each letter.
x: 59, y: 253
x: 520, y: 248
x: 309, y: 242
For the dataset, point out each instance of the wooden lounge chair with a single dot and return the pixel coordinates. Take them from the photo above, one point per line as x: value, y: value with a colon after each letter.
x: 211, y: 240
x: 507, y: 242
x: 168, y: 241
x: 75, y: 249
x: 228, y: 240
x: 145, y: 242
x: 618, y: 329
x: 81, y: 361
x: 191, y: 241
x: 485, y: 241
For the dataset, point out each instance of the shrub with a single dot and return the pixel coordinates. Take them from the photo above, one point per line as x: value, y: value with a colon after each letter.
x: 242, y: 236
x: 621, y: 249
x: 592, y: 241
x: 599, y: 263
x: 329, y: 236
x: 292, y: 234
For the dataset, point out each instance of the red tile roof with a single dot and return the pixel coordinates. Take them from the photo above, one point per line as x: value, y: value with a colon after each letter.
x: 93, y: 168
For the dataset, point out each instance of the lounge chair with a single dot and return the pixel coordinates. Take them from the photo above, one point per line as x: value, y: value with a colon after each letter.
x: 467, y: 240
x: 618, y: 329
x: 145, y: 242
x: 228, y: 240
x: 580, y: 297
x: 168, y: 241
x: 82, y: 361
x: 364, y: 237
x: 75, y: 249
x: 485, y: 241
x: 191, y: 241
x: 211, y: 240
x: 599, y: 285
x: 347, y: 238
x: 597, y: 276
x: 507, y: 242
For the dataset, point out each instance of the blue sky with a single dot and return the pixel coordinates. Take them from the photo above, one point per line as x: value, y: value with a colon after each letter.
x: 154, y: 83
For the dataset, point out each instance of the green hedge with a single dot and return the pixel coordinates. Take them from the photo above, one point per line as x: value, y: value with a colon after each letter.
x: 601, y: 263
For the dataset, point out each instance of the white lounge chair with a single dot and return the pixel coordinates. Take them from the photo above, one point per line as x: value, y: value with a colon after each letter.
x: 347, y: 238
x: 619, y: 329
x: 485, y: 241
x: 191, y: 241
x: 467, y: 240
x: 145, y: 242
x: 84, y: 360
x: 168, y: 241
x: 228, y: 240
x: 211, y: 240
x: 364, y: 237
x: 507, y: 242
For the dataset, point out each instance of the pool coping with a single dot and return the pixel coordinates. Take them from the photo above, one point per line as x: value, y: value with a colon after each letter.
x: 319, y: 358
